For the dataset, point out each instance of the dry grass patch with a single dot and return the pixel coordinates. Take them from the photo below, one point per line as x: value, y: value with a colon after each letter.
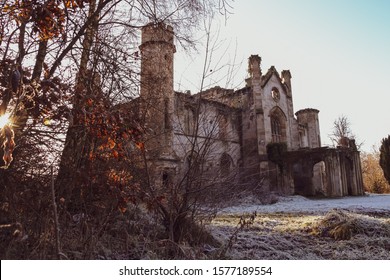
x: 343, y: 225
x: 335, y: 235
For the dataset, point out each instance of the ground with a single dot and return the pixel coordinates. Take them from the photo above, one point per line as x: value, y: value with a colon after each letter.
x: 300, y: 228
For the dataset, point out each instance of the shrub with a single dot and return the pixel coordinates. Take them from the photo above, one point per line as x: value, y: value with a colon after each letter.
x: 384, y: 158
x: 275, y: 152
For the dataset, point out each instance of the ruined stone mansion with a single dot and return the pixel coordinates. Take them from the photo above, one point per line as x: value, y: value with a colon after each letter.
x: 227, y: 131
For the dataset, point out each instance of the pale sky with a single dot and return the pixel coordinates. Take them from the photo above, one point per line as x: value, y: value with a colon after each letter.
x: 338, y: 52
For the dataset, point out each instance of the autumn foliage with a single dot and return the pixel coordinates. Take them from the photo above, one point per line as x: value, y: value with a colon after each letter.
x: 9, y: 145
x: 373, y: 178
x: 48, y: 17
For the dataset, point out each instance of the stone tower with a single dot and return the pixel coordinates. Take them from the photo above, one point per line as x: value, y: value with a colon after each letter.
x: 157, y: 101
x: 308, y: 120
x: 157, y: 94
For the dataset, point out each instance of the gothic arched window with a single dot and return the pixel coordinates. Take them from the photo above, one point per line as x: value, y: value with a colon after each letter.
x: 276, y: 130
x: 278, y: 125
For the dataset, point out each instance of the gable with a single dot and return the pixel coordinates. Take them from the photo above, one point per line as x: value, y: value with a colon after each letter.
x: 272, y: 72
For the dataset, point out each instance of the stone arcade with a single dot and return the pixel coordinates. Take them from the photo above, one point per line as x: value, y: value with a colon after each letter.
x: 236, y: 126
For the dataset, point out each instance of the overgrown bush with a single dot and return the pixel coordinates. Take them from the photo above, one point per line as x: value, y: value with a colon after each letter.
x: 275, y: 152
x: 373, y: 178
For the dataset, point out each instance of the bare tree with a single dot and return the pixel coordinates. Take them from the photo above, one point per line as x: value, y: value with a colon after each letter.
x: 100, y: 37
x: 203, y: 138
x: 65, y: 67
x: 342, y: 133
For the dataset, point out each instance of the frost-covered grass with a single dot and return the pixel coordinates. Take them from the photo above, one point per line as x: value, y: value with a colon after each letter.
x: 298, y: 203
x: 300, y: 228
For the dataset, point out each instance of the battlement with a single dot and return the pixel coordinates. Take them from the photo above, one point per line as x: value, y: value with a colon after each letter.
x: 157, y: 32
x: 307, y: 111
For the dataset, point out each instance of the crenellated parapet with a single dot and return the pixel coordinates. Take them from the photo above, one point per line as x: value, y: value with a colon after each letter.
x: 157, y: 33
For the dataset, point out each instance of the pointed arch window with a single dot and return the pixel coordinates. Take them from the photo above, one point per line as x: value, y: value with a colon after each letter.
x: 276, y: 130
x: 278, y: 122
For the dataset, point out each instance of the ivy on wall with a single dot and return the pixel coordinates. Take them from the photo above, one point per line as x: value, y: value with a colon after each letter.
x: 275, y: 152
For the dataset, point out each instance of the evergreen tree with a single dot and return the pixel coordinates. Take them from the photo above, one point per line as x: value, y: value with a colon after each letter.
x: 384, y: 159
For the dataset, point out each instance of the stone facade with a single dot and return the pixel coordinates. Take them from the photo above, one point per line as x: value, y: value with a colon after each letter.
x: 230, y: 130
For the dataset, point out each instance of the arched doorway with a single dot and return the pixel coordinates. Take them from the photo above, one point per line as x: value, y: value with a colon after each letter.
x: 302, y: 174
x: 319, y: 178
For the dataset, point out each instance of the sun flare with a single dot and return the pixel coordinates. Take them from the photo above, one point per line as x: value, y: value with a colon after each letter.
x: 4, y: 120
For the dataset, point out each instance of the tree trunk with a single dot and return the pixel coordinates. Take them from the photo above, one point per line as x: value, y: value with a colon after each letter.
x: 72, y: 180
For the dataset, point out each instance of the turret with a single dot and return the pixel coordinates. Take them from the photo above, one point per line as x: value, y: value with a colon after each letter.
x: 157, y: 51
x: 156, y: 93
x: 310, y: 128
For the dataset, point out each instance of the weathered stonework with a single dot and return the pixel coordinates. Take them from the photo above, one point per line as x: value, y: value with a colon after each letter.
x: 231, y: 129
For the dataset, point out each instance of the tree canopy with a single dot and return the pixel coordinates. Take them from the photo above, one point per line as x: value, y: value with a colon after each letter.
x: 384, y: 159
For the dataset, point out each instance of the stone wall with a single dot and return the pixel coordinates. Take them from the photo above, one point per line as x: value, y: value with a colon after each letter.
x: 210, y: 129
